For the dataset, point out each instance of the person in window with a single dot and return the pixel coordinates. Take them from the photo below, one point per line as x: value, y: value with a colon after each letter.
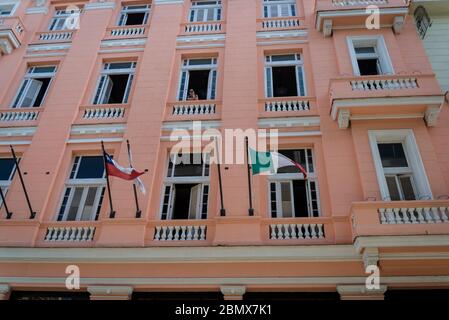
x: 192, y: 95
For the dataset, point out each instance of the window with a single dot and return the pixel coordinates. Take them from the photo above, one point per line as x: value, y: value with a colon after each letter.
x: 34, y: 87
x: 202, y: 11
x: 7, y: 170
x: 284, y: 76
x: 7, y: 8
x: 422, y: 21
x: 279, y: 8
x: 290, y: 195
x: 84, y: 191
x: 369, y: 56
x: 200, y: 77
x: 399, y: 167
x: 186, y: 187
x: 115, y: 83
x: 134, y: 15
x: 63, y: 19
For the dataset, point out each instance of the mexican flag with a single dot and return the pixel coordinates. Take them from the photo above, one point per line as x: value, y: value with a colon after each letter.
x: 269, y: 162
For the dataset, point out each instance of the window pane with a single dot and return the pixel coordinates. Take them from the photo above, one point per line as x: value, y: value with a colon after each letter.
x: 365, y: 50
x: 273, y: 200
x: 190, y: 166
x: 300, y: 197
x: 74, y: 205
x: 368, y: 67
x: 6, y: 168
x: 91, y: 167
x: 407, y: 188
x: 89, y: 204
x: 286, y: 198
x: 284, y: 81
x: 392, y: 155
x: 393, y: 188
x: 298, y: 156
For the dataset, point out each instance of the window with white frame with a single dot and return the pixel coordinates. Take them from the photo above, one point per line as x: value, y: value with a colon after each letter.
x: 290, y: 195
x: 198, y: 79
x: 369, y: 56
x: 422, y: 20
x: 284, y: 76
x: 186, y: 187
x: 64, y: 19
x: 205, y: 10
x: 7, y: 8
x: 84, y: 190
x: 134, y: 15
x: 279, y: 8
x: 115, y: 83
x: 34, y: 87
x: 399, y: 167
x: 7, y: 170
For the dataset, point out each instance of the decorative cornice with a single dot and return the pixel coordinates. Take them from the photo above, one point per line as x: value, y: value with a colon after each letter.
x: 110, y: 292
x: 188, y: 125
x: 17, y: 132
x: 123, y: 42
x: 37, y: 10
x: 281, y: 34
x: 97, y: 128
x: 99, y: 5
x: 162, y: 2
x: 363, y: 242
x: 48, y: 47
x: 201, y: 38
x: 289, y: 122
x: 94, y: 140
x: 361, y: 292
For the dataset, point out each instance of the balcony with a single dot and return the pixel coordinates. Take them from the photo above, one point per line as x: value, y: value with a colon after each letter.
x: 60, y: 36
x: 286, y: 107
x: 279, y: 23
x: 430, y: 217
x: 196, y: 28
x: 12, y: 32
x: 67, y: 233
x: 385, y: 97
x: 19, y: 117
x: 102, y: 113
x: 126, y: 32
x: 193, y: 110
x: 181, y: 232
x: 340, y: 14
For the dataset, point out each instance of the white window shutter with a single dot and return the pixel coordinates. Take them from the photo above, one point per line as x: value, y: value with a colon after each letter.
x: 31, y: 93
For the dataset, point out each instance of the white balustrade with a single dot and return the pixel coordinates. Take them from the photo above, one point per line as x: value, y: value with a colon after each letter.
x: 193, y: 109
x: 203, y: 27
x: 288, y: 231
x: 128, y: 32
x: 104, y: 113
x: 180, y: 233
x: 413, y: 215
x: 384, y: 84
x: 56, y: 36
x: 280, y: 23
x: 351, y: 3
x: 292, y: 105
x: 10, y: 116
x: 70, y: 234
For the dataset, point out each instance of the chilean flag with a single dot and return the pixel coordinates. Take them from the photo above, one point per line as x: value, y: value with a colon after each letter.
x: 116, y: 170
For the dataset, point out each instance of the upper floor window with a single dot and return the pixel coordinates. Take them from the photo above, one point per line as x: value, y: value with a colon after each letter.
x: 115, y: 83
x: 134, y: 15
x: 186, y: 187
x: 399, y: 167
x: 290, y: 195
x: 8, y: 8
x: 279, y: 8
x: 198, y: 79
x: 84, y: 190
x: 284, y: 76
x: 7, y: 170
x: 64, y: 19
x: 205, y: 10
x: 34, y: 87
x: 369, y: 56
x: 422, y: 21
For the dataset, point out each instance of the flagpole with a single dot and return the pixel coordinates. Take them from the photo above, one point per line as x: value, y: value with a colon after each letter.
x: 8, y: 213
x: 250, y: 210
x: 222, y: 209
x: 138, y: 211
x: 112, y: 212
x: 32, y: 213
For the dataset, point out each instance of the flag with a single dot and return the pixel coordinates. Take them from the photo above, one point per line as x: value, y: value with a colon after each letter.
x: 116, y: 170
x: 269, y: 162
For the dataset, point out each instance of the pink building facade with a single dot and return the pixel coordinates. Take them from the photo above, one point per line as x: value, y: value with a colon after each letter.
x: 360, y: 108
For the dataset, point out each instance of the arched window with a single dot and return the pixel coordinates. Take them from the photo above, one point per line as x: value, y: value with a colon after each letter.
x: 422, y: 21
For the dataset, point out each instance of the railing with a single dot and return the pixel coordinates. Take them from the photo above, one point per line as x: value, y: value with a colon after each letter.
x: 384, y: 84
x: 188, y: 110
x: 180, y: 233
x: 287, y: 104
x: 104, y: 113
x: 330, y: 5
x: 193, y: 109
x: 350, y: 3
x: 128, y: 31
x: 70, y: 234
x: 289, y: 231
x: 50, y: 36
x: 202, y: 27
x: 16, y: 115
x: 413, y: 215
x: 278, y: 23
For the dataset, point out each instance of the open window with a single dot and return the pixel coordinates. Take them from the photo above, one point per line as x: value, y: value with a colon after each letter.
x: 422, y: 20
x: 198, y: 79
x: 186, y: 187
x: 290, y: 195
x: 7, y: 170
x: 134, y: 15
x: 84, y: 191
x: 279, y: 8
x: 7, y: 8
x: 205, y: 10
x: 115, y: 83
x: 34, y: 87
x: 399, y: 167
x: 284, y: 76
x: 64, y: 19
x: 369, y: 56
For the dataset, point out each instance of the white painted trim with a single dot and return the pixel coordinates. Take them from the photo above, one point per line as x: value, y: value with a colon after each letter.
x: 48, y: 47
x: 37, y: 10
x: 412, y: 153
x: 201, y: 38
x: 123, y: 42
x: 122, y: 50
x: 11, y: 37
x: 17, y: 131
x: 162, y: 2
x: 188, y: 125
x: 387, y: 116
x: 363, y: 242
x: 15, y: 142
x: 290, y: 134
x: 289, y: 122
x: 16, y: 4
x: 281, y: 34
x: 99, y: 5
x: 97, y: 128
x: 94, y: 140
x: 53, y: 54
x: 202, y: 46
x: 269, y: 43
